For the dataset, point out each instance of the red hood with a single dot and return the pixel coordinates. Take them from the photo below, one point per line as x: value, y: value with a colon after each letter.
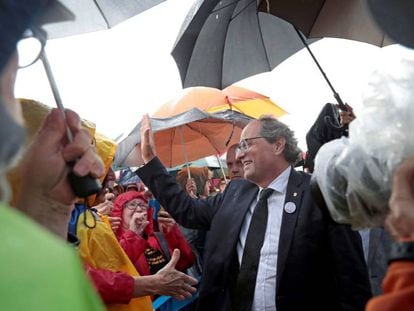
x: 119, y: 204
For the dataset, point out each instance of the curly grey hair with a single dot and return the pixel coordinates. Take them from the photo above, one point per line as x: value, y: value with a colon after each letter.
x: 272, y: 129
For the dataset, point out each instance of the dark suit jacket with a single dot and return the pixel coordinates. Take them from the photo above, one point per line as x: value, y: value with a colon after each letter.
x: 320, y: 263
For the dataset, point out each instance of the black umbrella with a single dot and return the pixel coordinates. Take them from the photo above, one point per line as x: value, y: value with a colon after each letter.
x: 395, y: 18
x: 348, y: 19
x: 94, y: 15
x: 223, y: 42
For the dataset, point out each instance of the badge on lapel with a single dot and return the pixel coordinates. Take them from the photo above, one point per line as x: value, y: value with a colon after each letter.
x: 290, y: 207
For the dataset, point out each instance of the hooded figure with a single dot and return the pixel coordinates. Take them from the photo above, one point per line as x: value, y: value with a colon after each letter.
x: 143, y: 245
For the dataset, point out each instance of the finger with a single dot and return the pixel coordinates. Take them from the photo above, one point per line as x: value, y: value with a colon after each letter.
x: 390, y: 227
x: 190, y: 280
x: 402, y: 178
x: 174, y: 258
x: 179, y: 297
x: 73, y: 121
x: 80, y: 144
x: 89, y: 163
x: 52, y: 131
x: 109, y: 196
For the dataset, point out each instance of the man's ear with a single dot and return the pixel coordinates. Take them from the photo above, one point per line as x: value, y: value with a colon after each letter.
x: 280, y: 145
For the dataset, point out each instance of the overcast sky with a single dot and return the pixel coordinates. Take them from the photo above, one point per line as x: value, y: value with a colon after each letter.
x: 113, y: 77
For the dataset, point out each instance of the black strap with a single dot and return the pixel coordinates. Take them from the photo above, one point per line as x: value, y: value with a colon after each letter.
x: 164, y: 245
x: 246, y: 280
x: 401, y: 251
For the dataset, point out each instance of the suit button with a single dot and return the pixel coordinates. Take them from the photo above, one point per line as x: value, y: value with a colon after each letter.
x: 279, y: 297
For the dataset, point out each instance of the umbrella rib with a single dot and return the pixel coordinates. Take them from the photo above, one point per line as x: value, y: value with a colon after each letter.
x: 102, y: 13
x: 241, y: 11
x: 198, y: 131
x: 316, y: 18
x: 224, y: 6
x: 264, y: 46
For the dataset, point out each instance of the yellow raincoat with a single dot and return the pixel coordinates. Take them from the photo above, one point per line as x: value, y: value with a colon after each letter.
x: 98, y: 246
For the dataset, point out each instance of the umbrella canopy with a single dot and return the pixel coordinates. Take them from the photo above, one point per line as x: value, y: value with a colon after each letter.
x: 213, y: 100
x: 188, y: 136
x: 349, y: 19
x: 222, y: 42
x: 97, y: 15
x: 399, y: 29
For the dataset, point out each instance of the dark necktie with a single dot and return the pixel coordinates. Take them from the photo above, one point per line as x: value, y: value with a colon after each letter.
x: 246, y: 279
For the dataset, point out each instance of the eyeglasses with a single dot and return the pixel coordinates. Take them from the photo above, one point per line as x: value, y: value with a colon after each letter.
x: 132, y: 206
x: 30, y: 47
x: 244, y: 144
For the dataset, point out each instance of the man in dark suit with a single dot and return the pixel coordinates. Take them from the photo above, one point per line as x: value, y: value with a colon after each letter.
x: 306, y: 261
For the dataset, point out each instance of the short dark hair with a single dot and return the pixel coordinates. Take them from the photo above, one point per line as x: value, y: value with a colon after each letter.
x: 272, y: 129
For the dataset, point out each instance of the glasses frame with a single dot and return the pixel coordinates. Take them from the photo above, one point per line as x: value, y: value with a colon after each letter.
x: 134, y: 207
x: 244, y: 144
x: 38, y: 34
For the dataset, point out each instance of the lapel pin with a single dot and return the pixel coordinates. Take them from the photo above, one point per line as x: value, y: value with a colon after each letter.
x: 290, y: 207
x: 295, y: 194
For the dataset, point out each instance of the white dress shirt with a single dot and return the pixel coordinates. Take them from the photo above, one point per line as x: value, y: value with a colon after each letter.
x: 265, y: 291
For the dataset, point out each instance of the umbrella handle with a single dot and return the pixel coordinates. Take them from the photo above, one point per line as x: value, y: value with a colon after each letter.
x: 336, y: 95
x: 222, y: 169
x: 184, y: 151
x: 82, y: 186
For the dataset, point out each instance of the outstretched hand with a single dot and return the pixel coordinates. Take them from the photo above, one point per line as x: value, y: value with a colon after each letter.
x: 400, y: 221
x: 172, y: 282
x: 147, y: 140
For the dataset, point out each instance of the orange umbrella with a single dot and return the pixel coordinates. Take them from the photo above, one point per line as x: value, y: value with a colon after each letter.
x: 185, y: 137
x: 213, y: 100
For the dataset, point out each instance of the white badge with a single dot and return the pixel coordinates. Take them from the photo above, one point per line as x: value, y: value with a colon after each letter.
x: 290, y: 207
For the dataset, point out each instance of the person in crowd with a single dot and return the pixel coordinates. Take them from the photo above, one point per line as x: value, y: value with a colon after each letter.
x: 198, y: 186
x: 143, y: 246
x: 200, y: 180
x: 34, y: 259
x: 303, y: 259
x: 115, y: 277
x: 234, y: 165
x: 376, y: 241
x: 398, y: 284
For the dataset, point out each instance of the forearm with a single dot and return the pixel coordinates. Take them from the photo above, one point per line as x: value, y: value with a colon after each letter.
x: 188, y: 212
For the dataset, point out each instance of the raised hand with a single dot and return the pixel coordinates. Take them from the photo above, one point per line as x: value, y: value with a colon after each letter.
x: 191, y: 187
x: 106, y: 207
x: 147, y: 140
x: 165, y: 221
x: 138, y: 223
x: 400, y: 221
x: 115, y: 222
x: 346, y: 117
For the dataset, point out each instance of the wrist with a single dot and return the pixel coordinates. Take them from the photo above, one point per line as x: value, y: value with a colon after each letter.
x: 148, y: 158
x: 145, y: 285
x: 401, y: 251
x: 49, y: 213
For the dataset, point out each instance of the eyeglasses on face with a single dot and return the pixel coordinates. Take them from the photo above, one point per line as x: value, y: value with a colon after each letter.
x: 133, y: 205
x: 30, y: 47
x: 245, y: 144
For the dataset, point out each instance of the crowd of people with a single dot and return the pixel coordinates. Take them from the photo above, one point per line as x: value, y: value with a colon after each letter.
x: 265, y: 241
